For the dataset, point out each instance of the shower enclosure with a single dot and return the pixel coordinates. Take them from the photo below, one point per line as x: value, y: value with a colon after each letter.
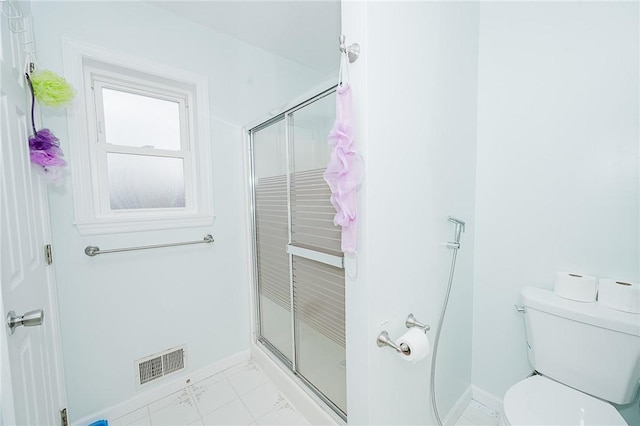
x: 298, y: 265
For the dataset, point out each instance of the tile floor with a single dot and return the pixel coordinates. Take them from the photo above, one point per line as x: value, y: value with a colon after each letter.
x: 477, y: 414
x: 244, y: 395
x: 240, y: 395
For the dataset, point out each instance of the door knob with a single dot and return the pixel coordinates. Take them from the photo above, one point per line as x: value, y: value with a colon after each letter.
x: 30, y: 319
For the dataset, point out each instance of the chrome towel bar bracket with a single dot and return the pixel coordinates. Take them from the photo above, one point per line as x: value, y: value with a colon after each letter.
x: 95, y: 250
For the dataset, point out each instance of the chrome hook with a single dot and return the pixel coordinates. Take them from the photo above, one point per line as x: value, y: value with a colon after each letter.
x: 352, y: 51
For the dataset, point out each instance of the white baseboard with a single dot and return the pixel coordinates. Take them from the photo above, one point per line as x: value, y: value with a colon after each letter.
x: 305, y: 402
x: 145, y: 397
x: 486, y: 398
x: 458, y: 408
x: 309, y: 405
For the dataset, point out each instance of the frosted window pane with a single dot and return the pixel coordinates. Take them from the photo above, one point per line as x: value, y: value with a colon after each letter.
x: 140, y: 121
x: 145, y: 182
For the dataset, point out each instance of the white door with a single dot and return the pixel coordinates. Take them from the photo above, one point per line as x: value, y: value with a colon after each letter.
x: 31, y: 384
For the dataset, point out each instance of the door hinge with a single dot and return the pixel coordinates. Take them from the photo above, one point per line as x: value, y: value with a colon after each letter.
x: 64, y: 421
x: 48, y: 254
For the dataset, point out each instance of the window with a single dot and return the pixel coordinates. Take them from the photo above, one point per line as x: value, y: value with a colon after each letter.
x: 140, y: 144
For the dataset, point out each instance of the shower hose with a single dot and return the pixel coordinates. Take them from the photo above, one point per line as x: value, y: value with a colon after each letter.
x: 437, y: 339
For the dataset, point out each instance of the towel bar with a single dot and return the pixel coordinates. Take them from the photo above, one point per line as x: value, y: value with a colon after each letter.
x: 95, y: 250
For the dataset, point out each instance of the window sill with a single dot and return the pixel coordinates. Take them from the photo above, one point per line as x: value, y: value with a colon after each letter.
x: 115, y: 226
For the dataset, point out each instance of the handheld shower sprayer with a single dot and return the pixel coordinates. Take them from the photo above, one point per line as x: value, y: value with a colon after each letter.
x: 458, y: 230
x: 455, y: 245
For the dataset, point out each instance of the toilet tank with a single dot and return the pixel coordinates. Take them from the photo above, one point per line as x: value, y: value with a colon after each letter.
x: 583, y: 345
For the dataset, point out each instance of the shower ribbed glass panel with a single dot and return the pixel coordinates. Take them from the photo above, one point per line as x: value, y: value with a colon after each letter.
x: 272, y: 236
x: 298, y: 256
x: 318, y: 289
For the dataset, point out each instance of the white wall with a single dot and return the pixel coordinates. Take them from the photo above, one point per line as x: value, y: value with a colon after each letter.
x: 556, y: 184
x: 557, y: 181
x: 121, y: 307
x: 557, y: 172
x: 415, y: 102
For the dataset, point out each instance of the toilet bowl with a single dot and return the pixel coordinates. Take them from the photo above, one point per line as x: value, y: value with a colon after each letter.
x: 538, y: 401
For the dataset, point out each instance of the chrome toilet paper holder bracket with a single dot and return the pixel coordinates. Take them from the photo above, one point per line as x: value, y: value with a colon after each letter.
x: 413, y: 322
x: 384, y: 339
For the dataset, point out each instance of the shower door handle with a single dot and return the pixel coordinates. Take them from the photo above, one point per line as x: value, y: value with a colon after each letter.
x: 318, y: 256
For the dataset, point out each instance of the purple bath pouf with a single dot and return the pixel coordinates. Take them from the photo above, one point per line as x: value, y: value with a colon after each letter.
x: 45, y: 150
x: 44, y: 158
x: 43, y: 140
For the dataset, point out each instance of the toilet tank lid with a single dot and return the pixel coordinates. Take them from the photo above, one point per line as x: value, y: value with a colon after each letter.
x: 589, y: 313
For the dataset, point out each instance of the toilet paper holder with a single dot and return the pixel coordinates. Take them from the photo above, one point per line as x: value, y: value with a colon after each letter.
x: 384, y: 339
x: 413, y: 322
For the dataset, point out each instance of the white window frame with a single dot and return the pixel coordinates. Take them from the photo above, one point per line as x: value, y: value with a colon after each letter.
x: 87, y: 67
x: 95, y: 80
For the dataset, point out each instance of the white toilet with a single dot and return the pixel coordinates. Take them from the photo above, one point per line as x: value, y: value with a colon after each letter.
x: 586, y: 355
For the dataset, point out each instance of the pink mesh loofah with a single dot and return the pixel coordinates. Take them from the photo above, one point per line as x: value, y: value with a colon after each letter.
x: 344, y: 171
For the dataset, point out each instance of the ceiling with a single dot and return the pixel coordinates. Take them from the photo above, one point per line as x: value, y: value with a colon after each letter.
x: 304, y: 31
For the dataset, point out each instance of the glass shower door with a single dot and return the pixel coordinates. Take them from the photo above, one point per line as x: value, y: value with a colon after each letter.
x: 318, y: 277
x: 300, y: 276
x: 272, y: 235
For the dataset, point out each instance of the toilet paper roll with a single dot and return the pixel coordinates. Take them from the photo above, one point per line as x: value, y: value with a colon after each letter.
x: 417, y: 342
x: 582, y: 288
x: 619, y: 295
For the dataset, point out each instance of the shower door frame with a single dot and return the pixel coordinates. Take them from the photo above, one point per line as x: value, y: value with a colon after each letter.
x: 283, y: 114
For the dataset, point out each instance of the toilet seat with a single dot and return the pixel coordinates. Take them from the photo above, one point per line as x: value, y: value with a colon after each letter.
x: 538, y: 401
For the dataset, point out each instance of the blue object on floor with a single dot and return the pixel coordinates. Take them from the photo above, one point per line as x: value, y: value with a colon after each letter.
x: 100, y: 423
